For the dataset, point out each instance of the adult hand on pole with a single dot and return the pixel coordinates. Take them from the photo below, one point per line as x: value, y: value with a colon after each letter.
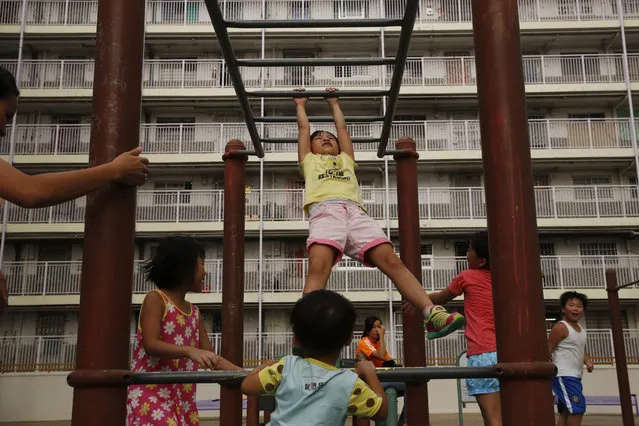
x: 130, y: 168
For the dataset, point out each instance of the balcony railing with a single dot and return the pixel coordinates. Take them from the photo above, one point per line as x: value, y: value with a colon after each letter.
x: 193, y: 12
x: 59, y: 74
x: 57, y: 353
x: 207, y: 138
x: 39, y: 278
x: 281, y: 205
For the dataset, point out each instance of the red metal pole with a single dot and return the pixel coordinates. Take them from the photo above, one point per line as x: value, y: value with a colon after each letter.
x: 358, y: 421
x: 416, y: 396
x: 252, y: 411
x: 510, y: 203
x: 619, y: 348
x: 109, y: 232
x: 233, y: 276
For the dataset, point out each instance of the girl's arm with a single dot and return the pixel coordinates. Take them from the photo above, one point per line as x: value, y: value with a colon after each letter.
x: 441, y: 297
x: 343, y: 137
x: 558, y: 333
x: 303, y: 128
x: 205, y: 343
x: 53, y: 188
x: 151, y: 323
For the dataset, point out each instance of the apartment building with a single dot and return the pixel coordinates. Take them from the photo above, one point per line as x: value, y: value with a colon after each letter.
x: 581, y: 141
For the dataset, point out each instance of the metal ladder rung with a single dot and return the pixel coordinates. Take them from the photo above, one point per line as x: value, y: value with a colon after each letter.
x: 294, y: 140
x: 284, y: 62
x: 318, y: 94
x: 319, y: 119
x: 316, y: 23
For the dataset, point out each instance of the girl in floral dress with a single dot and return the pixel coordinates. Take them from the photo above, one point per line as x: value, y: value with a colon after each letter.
x: 171, y: 337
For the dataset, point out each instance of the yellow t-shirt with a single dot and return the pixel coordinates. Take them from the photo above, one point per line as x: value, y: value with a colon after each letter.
x: 329, y: 176
x: 363, y: 402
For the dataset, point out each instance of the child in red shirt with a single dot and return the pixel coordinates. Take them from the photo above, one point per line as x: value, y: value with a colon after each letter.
x: 476, y: 285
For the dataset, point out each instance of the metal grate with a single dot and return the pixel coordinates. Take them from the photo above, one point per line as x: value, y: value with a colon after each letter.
x: 221, y: 27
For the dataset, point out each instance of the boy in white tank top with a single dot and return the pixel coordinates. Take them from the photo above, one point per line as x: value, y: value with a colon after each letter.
x: 567, y: 348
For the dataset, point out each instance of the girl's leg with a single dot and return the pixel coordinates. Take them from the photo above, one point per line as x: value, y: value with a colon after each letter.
x: 439, y: 323
x: 320, y: 263
x: 385, y: 259
x: 490, y: 406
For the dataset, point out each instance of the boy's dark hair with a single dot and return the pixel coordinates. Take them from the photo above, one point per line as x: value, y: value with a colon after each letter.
x: 479, y: 243
x: 8, y: 86
x: 174, y: 263
x: 323, y: 322
x: 563, y: 300
x: 318, y: 132
x: 369, y: 323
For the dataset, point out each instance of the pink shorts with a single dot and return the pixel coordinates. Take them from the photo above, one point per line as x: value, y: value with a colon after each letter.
x: 346, y: 227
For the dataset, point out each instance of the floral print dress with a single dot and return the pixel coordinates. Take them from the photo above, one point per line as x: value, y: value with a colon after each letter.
x: 166, y: 405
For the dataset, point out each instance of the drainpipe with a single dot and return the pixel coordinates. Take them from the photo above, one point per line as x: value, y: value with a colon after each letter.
x: 5, y: 212
x: 260, y: 343
x: 391, y: 287
x: 626, y: 75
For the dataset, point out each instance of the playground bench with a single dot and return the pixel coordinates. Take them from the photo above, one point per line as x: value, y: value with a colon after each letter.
x: 611, y: 400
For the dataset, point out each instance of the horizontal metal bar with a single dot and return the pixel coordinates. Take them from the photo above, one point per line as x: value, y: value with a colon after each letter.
x: 319, y: 119
x: 316, y: 23
x: 224, y: 41
x: 285, y: 62
x: 293, y: 140
x: 410, y: 13
x: 514, y: 370
x: 318, y: 94
x: 627, y: 285
x: 400, y: 374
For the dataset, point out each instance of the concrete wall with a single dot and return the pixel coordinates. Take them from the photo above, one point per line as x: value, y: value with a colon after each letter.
x: 46, y: 397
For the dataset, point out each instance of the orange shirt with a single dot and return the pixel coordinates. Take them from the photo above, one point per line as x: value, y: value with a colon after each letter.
x: 366, y: 346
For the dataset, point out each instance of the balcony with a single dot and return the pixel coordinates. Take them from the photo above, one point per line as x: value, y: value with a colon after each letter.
x: 57, y: 353
x: 280, y: 276
x: 436, y: 140
x: 446, y: 208
x: 182, y: 15
x: 423, y: 76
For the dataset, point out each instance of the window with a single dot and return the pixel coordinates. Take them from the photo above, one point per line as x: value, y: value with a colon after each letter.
x: 367, y: 189
x: 50, y: 324
x: 546, y: 249
x: 169, y: 129
x: 167, y: 193
x: 299, y: 10
x: 598, y: 249
x: 349, y: 9
x: 601, y: 320
x: 632, y: 180
x: 592, y: 253
x: 426, y: 252
x: 589, y: 193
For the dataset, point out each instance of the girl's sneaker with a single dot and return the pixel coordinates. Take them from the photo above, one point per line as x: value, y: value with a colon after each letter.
x: 440, y: 323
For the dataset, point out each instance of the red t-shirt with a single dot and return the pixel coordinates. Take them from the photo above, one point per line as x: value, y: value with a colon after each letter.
x: 476, y: 286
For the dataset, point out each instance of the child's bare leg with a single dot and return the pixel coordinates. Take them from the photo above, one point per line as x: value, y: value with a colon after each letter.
x: 320, y: 263
x: 574, y: 420
x: 562, y: 420
x: 490, y: 406
x: 384, y: 258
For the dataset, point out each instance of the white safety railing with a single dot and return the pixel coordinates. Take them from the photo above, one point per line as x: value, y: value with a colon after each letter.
x: 200, y: 138
x: 425, y: 72
x: 285, y: 205
x: 194, y: 12
x: 57, y: 353
x: 279, y: 275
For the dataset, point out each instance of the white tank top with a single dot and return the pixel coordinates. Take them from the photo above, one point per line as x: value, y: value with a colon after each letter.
x: 569, y: 354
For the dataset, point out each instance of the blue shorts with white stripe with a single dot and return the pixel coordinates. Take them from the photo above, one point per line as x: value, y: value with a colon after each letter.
x: 569, y: 393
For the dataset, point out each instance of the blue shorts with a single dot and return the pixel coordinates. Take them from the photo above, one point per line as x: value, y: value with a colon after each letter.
x: 482, y: 386
x: 569, y: 393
